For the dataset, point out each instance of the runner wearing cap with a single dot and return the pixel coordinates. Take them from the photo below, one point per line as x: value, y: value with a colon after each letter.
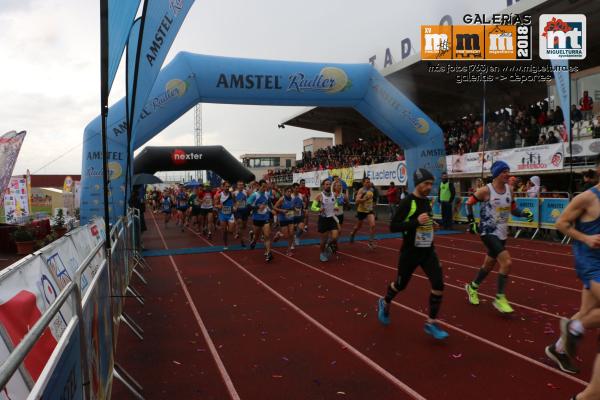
x: 413, y: 218
x: 497, y: 205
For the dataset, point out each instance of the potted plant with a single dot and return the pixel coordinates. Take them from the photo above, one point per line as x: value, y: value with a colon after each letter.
x: 59, y: 223
x: 25, y: 239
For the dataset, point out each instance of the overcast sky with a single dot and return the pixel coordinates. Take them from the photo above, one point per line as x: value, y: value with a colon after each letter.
x: 49, y: 77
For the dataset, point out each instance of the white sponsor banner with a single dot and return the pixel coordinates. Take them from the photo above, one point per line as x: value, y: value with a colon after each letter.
x: 313, y: 178
x: 584, y: 148
x: 521, y: 159
x: 383, y: 174
x: 380, y: 174
x: 63, y: 259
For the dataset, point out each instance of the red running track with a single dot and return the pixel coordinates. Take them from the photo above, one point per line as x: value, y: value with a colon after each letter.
x: 227, y: 325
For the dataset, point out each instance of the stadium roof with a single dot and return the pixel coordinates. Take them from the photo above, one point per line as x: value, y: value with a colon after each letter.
x: 438, y: 94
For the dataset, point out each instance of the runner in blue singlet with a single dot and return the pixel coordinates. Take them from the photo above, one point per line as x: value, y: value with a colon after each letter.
x: 581, y: 221
x: 261, y: 217
x: 285, y: 212
x: 299, y: 217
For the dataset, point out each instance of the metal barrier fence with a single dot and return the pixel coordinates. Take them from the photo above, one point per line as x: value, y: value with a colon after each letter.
x: 546, y: 211
x: 70, y: 351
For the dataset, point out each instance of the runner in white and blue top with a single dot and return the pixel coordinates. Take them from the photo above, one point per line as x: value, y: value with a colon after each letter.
x: 497, y: 205
x: 242, y: 212
x: 167, y: 206
x: 285, y: 213
x: 224, y: 203
x: 261, y: 217
x: 581, y: 222
x: 326, y: 205
x: 299, y: 217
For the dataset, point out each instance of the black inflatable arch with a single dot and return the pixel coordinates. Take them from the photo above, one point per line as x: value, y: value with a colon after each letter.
x: 191, y: 158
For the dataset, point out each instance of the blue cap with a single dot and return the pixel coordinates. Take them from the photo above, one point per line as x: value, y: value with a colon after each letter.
x: 498, y: 167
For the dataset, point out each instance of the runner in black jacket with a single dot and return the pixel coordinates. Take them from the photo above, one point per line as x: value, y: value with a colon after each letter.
x: 413, y: 219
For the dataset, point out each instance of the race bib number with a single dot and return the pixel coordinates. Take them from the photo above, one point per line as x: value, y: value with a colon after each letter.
x: 298, y: 212
x: 226, y: 210
x: 289, y: 214
x: 241, y: 204
x: 262, y: 209
x: 503, y: 214
x: 207, y: 202
x: 424, y: 236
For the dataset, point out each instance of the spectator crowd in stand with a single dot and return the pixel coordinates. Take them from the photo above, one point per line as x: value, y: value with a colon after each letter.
x: 521, y: 126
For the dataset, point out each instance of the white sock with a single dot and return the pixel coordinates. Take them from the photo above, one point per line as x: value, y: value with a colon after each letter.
x: 576, y: 328
x: 560, y: 347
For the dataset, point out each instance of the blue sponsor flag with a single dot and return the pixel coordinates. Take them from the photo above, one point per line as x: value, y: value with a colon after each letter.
x: 120, y: 16
x: 160, y: 23
x: 563, y: 88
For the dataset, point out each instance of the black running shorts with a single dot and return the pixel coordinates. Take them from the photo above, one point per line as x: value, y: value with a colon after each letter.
x: 326, y: 224
x: 493, y: 244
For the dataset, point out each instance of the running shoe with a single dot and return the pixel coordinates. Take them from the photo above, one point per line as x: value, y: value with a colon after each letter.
x: 383, y: 311
x: 277, y: 237
x: 569, y: 339
x: 562, y: 360
x: 269, y: 257
x: 236, y: 236
x: 472, y: 294
x: 323, y: 257
x: 296, y: 240
x: 289, y: 253
x: 502, y: 305
x: 371, y: 245
x: 435, y: 331
x: 253, y: 244
x: 305, y: 229
x: 251, y: 233
x: 292, y: 247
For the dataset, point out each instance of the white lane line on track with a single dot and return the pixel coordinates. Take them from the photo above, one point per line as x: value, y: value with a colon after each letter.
x: 451, y: 237
x: 213, y: 350
x: 578, y: 291
x: 450, y: 326
x: 462, y: 289
x: 376, y: 367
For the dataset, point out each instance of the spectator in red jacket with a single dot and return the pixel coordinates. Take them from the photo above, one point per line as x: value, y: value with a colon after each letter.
x: 586, y: 105
x: 393, y: 198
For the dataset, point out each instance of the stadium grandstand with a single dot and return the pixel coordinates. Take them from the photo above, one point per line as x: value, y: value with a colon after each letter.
x: 518, y: 113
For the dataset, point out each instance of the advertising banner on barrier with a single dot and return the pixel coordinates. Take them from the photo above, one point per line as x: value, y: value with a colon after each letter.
x: 63, y: 259
x: 383, y: 174
x: 521, y: 159
x: 380, y: 174
x: 345, y: 174
x: 63, y: 379
x: 98, y: 331
x: 313, y: 178
x: 26, y: 292
x: 550, y: 210
x: 526, y: 203
x: 584, y: 148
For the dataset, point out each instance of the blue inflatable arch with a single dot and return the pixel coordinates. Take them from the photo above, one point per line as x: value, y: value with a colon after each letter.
x: 191, y: 78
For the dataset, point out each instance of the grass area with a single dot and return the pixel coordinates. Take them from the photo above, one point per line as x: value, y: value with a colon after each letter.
x: 35, y: 209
